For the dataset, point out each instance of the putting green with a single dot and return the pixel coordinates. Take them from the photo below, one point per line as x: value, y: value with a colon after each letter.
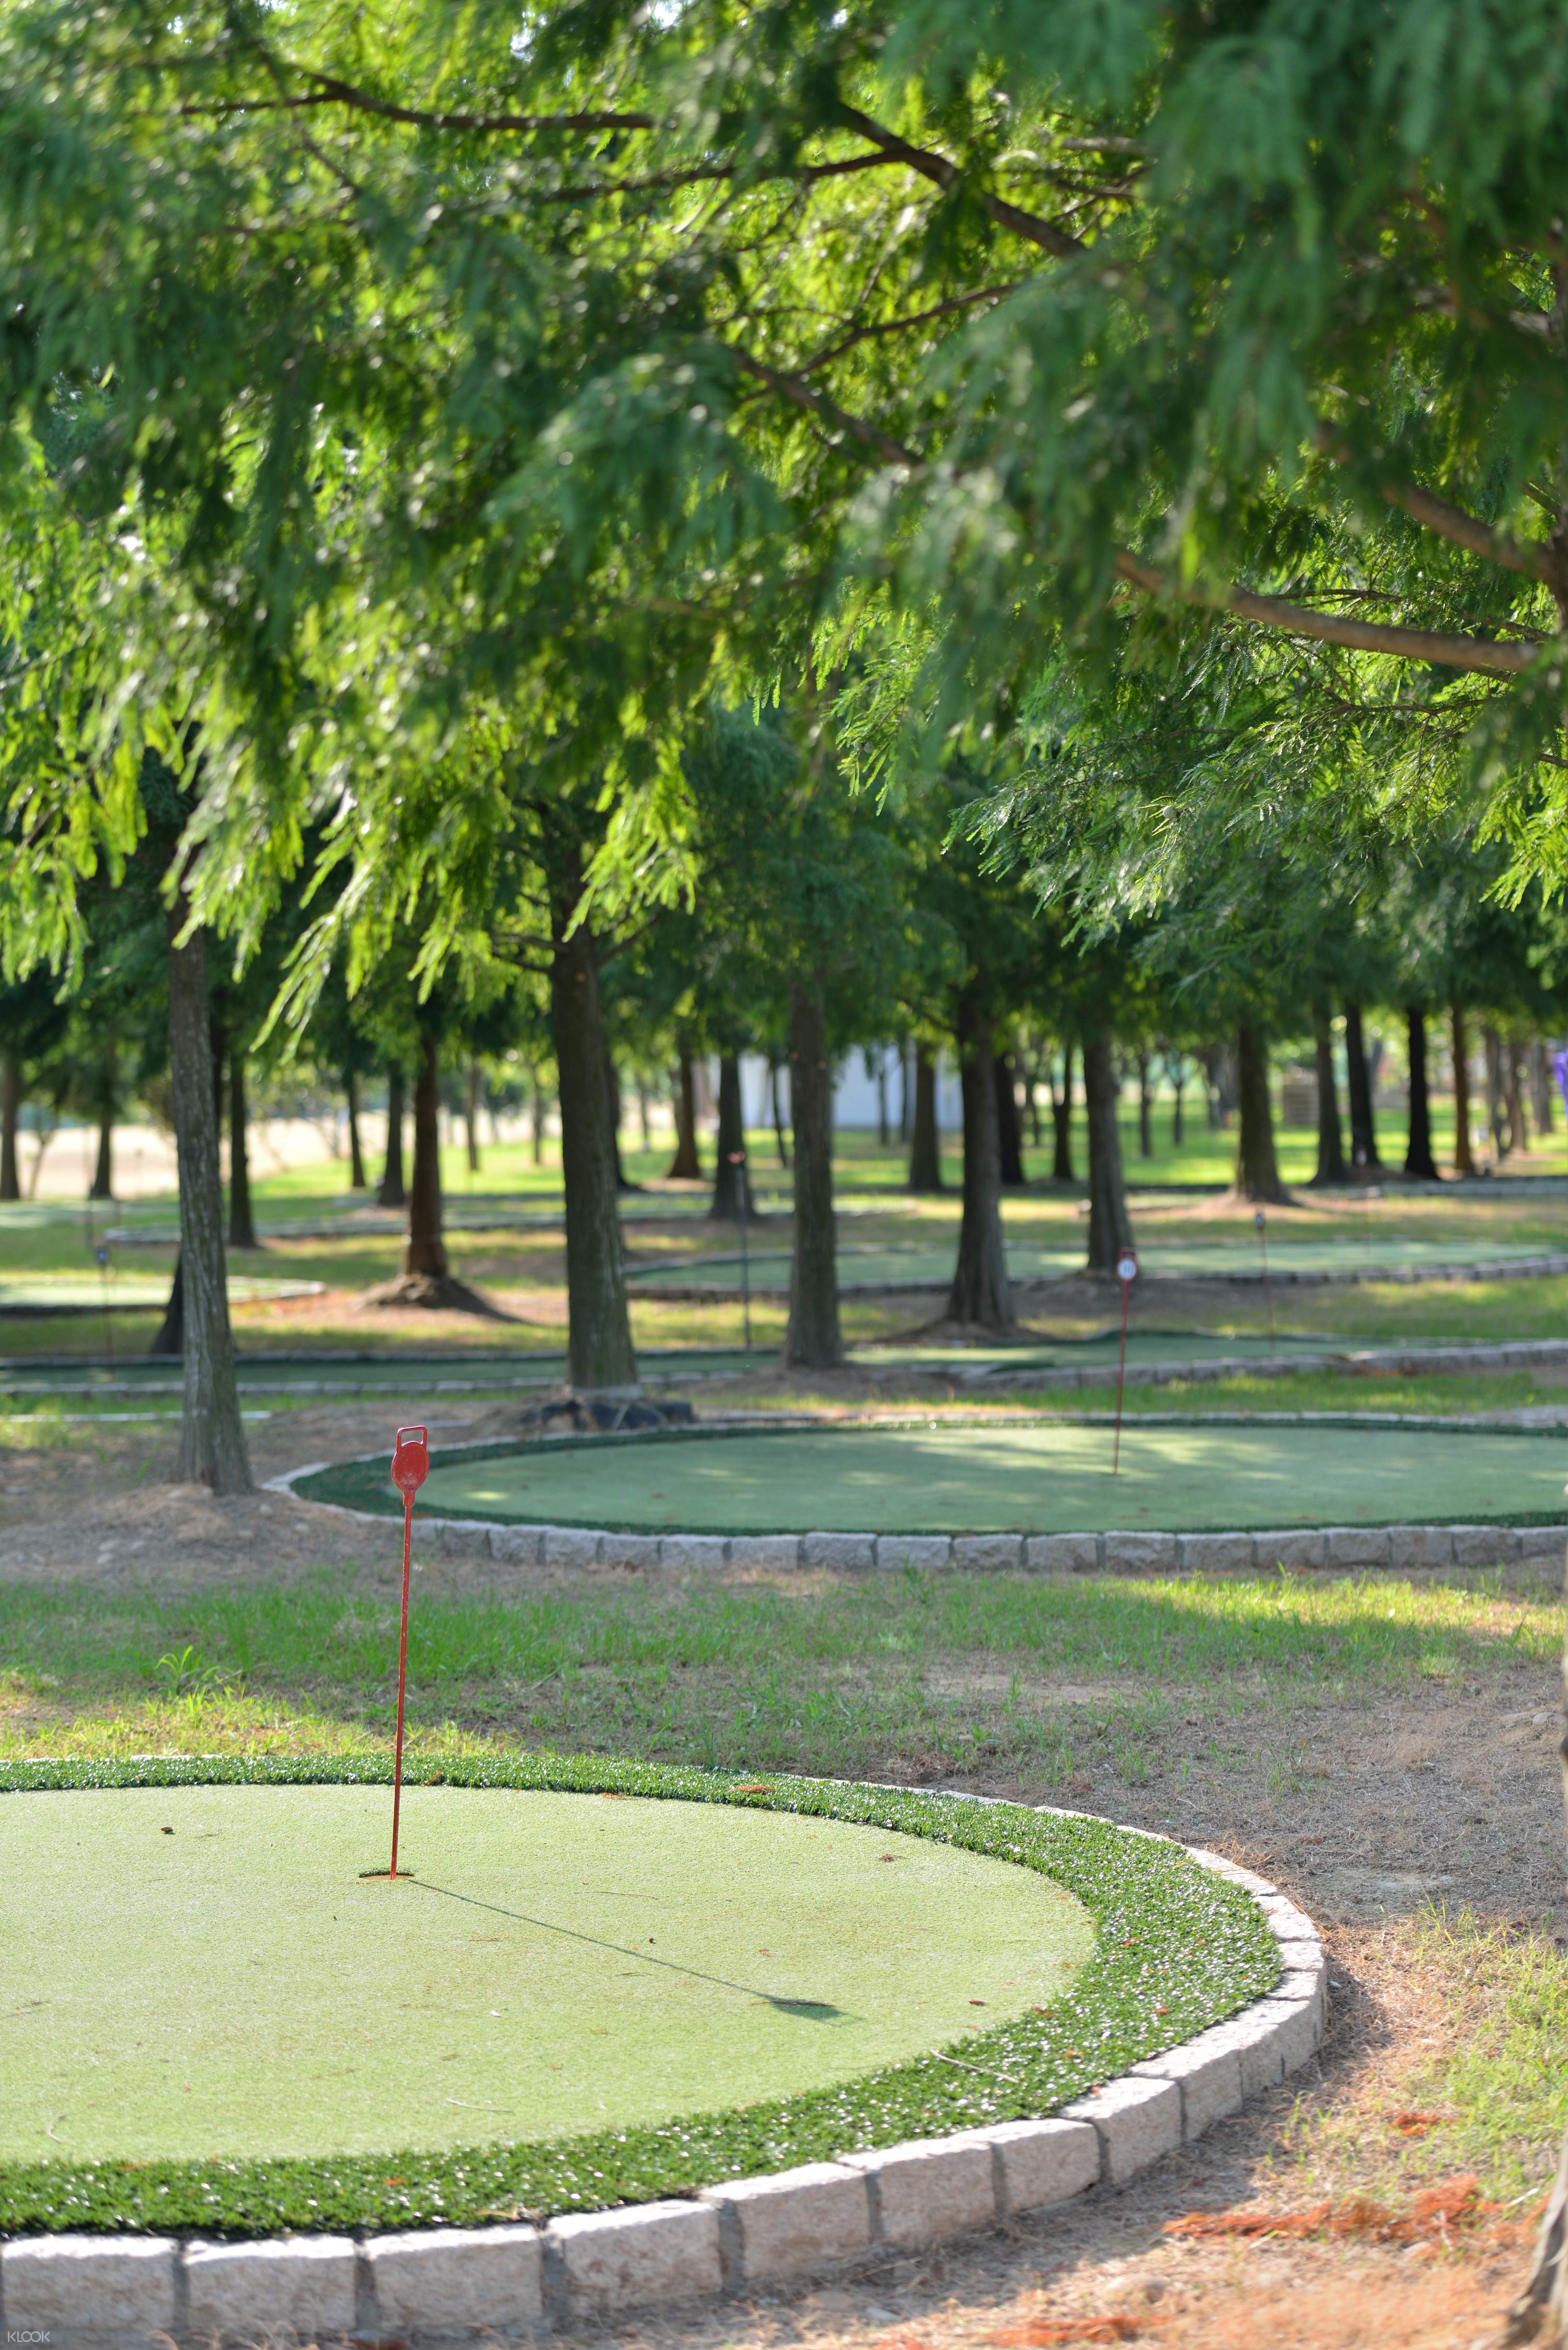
x: 950, y: 1479
x: 921, y: 1265
x: 70, y: 1293
x: 559, y: 1963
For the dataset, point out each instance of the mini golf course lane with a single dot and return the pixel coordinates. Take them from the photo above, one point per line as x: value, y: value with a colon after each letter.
x: 559, y: 1963
x: 952, y: 1480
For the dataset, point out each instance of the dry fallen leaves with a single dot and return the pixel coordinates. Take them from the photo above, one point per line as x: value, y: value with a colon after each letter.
x: 1433, y: 2215
x: 1040, y: 2330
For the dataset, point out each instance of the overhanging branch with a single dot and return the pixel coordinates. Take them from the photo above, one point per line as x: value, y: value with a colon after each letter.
x: 1482, y: 653
x: 801, y: 394
x: 326, y: 90
x: 944, y: 173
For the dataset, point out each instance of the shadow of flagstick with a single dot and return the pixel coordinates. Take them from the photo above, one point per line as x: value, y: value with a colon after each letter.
x: 813, y: 2010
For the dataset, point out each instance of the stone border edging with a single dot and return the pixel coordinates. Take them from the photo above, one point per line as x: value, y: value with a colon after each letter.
x: 1120, y: 1551
x: 132, y: 2292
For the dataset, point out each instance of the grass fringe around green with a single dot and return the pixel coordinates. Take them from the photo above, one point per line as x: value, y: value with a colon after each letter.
x: 1178, y: 1947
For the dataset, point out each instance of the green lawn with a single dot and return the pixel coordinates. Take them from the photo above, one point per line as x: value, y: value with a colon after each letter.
x: 861, y: 1677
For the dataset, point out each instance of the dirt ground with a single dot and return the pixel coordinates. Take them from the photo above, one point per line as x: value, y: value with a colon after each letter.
x: 1448, y: 1790
x: 1106, y: 2269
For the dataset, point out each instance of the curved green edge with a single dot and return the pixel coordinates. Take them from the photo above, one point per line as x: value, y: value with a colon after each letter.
x: 1178, y: 1948
x: 364, y: 1484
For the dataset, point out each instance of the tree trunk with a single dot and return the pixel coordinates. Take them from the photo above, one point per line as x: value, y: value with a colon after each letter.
x: 10, y: 1118
x: 979, y: 1293
x: 471, y: 1116
x: 780, y: 1145
x: 1497, y: 1114
x: 1145, y: 1111
x: 644, y: 1118
x: 103, y: 1172
x: 1176, y: 1066
x: 1541, y: 1086
x: 1464, y: 1158
x: 813, y: 1340
x: 1330, y: 1167
x: 1032, y: 1102
x: 1518, y: 1124
x: 1010, y: 1141
x: 1418, y: 1158
x: 1363, y: 1121
x: 881, y: 1098
x: 212, y: 1434
x: 1110, y: 1225
x: 392, y: 1193
x: 925, y: 1142
x: 242, y: 1223
x: 601, y: 1357
x: 424, y: 1251
x: 355, y: 1152
x: 537, y: 1117
x: 612, y: 1099
x: 729, y: 1180
x: 686, y: 1164
x: 170, y: 1338
x: 1257, y: 1169
x: 1062, y: 1121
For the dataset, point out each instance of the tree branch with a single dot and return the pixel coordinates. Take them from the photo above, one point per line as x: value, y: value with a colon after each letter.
x: 916, y: 318
x: 1482, y: 653
x: 795, y: 389
x: 328, y: 91
x: 656, y: 181
x: 944, y: 173
x: 1466, y: 530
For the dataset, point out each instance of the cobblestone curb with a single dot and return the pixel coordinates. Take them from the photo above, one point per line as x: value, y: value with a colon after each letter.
x: 1401, y: 1549
x: 517, y: 2284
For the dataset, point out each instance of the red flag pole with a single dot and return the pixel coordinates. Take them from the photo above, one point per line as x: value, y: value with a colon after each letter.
x: 1127, y: 1273
x: 411, y: 1465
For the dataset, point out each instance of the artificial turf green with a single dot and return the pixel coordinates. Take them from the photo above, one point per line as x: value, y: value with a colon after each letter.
x: 556, y: 1962
x: 122, y: 1294
x: 947, y: 1477
x: 1176, y: 1948
x: 1379, y: 1254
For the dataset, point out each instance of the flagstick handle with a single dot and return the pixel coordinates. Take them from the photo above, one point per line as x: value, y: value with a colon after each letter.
x: 402, y: 1674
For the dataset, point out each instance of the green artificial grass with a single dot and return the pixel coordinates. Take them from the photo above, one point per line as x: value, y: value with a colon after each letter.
x: 555, y: 1962
x: 1193, y: 1475
x: 1176, y: 1948
x: 1373, y: 1254
x: 126, y: 1293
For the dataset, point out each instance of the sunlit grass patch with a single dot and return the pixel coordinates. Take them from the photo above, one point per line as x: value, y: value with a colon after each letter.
x: 935, y: 1672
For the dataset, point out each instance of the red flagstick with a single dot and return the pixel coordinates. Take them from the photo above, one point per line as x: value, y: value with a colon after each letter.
x: 410, y: 1466
x: 1268, y: 1294
x: 1127, y: 1273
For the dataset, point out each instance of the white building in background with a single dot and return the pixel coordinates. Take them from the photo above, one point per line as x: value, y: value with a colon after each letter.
x: 869, y: 1079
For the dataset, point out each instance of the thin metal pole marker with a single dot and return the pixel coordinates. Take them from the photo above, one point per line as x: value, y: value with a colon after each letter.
x: 1127, y: 1273
x: 410, y: 1467
x: 738, y: 1159
x: 1262, y: 1223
